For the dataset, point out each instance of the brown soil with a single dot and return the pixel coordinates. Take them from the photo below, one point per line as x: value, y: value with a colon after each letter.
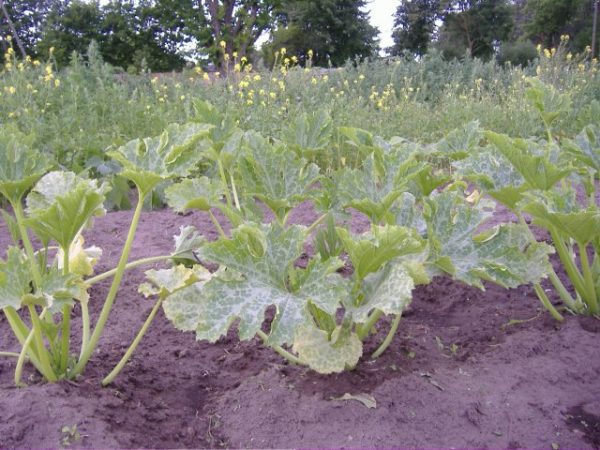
x: 458, y: 374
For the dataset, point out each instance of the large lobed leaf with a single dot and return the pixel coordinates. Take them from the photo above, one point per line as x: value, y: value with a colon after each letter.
x: 275, y: 175
x: 20, y: 165
x: 149, y: 161
x: 534, y: 162
x: 61, y: 204
x: 256, y: 265
x: 327, y: 355
x: 504, y: 254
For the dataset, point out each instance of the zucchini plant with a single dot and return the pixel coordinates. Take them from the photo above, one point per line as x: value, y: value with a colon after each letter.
x: 555, y: 184
x: 320, y: 318
x: 46, y: 283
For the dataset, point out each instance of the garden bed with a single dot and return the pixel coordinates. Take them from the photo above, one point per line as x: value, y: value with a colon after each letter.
x: 461, y: 372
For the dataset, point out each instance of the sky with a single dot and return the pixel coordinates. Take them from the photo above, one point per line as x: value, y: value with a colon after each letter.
x: 382, y: 17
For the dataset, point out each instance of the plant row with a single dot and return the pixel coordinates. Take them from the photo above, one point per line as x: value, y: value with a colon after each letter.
x: 428, y: 206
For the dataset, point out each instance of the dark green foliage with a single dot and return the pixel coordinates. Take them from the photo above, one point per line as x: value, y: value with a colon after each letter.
x: 414, y: 25
x: 335, y: 30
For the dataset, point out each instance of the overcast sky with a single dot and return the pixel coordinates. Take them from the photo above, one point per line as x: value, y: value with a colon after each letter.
x: 382, y: 17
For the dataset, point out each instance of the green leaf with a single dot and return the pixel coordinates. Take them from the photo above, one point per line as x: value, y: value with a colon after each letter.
x: 374, y: 187
x: 493, y: 173
x: 187, y: 243
x: 174, y: 153
x: 586, y: 147
x: 559, y: 209
x: 61, y: 204
x: 197, y: 193
x: 310, y: 133
x: 326, y: 356
x: 503, y: 254
x: 388, y: 290
x: 21, y: 166
x: 530, y: 160
x: 275, y: 175
x: 261, y: 278
x: 165, y: 282
x: 370, y: 251
x: 15, y: 279
x: 58, y: 289
x: 461, y: 142
x: 547, y: 100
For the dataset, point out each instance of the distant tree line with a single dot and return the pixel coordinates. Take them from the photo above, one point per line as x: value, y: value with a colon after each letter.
x: 507, y: 29
x: 161, y: 35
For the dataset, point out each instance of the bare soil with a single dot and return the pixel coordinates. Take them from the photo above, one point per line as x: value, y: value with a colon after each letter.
x: 461, y: 372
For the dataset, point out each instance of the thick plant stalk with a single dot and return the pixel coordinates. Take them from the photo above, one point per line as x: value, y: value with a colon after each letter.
x: 113, y: 374
x: 114, y: 288
x: 44, y: 358
x: 588, y: 278
x: 85, y: 325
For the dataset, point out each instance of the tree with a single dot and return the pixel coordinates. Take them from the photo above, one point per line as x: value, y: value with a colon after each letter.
x: 414, y: 25
x: 549, y: 19
x: 70, y: 27
x: 475, y: 26
x: 22, y: 20
x: 235, y: 23
x: 335, y: 30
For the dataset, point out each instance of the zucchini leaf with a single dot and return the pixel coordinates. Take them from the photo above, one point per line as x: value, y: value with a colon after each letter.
x: 325, y: 355
x: 531, y: 160
x: 493, y: 173
x: 503, y: 254
x: 559, y: 210
x: 370, y: 251
x: 255, y: 274
x: 15, y: 278
x: 275, y: 175
x: 388, y: 290
x: 61, y: 204
x: 196, y: 193
x: 374, y: 187
x: 149, y: 161
x: 20, y: 165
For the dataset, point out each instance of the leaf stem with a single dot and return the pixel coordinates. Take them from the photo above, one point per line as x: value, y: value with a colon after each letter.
x: 117, y: 369
x: 217, y: 224
x: 19, y: 216
x: 21, y: 359
x: 280, y: 350
x: 65, y: 338
x: 365, y: 328
x: 389, y: 338
x: 224, y: 181
x: 592, y: 300
x: 85, y: 325
x: 568, y: 263
x: 44, y: 359
x: 235, y: 195
x: 546, y: 302
x: 114, y: 288
x: 128, y: 266
x: 10, y: 354
x: 316, y: 223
